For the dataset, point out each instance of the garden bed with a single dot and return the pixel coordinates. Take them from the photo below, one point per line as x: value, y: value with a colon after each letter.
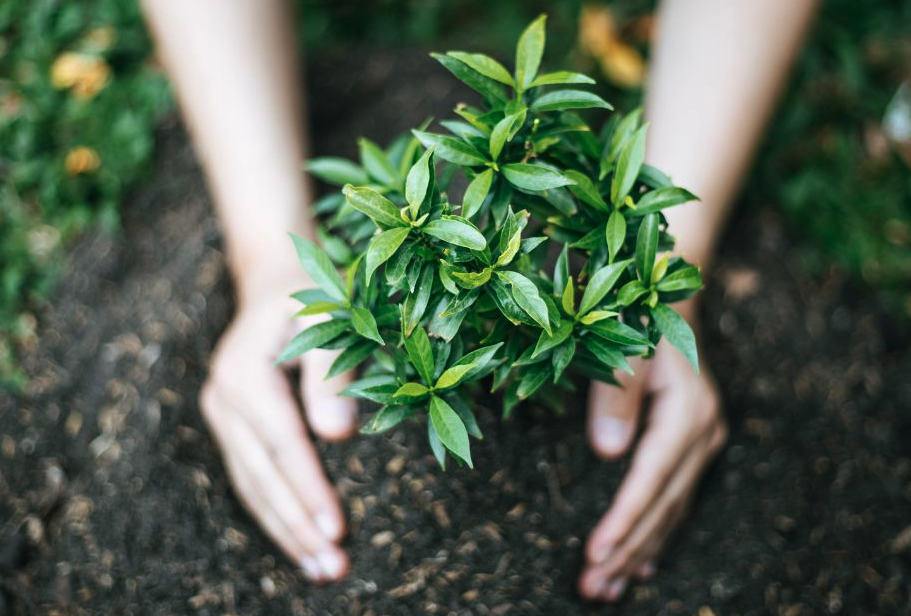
x: 113, y: 498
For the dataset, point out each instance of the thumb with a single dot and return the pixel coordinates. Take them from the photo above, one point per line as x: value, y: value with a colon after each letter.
x: 613, y: 413
x: 331, y: 416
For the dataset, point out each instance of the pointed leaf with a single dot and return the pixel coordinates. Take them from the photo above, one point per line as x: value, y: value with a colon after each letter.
x: 545, y: 342
x: 371, y: 203
x: 569, y: 99
x: 449, y: 428
x: 456, y: 230
x: 452, y: 150
x: 562, y: 356
x: 600, y: 285
x: 416, y: 303
x: 320, y: 269
x: 615, y: 233
x: 486, y: 86
x: 661, y: 198
x: 476, y: 193
x: 618, y: 332
x: 529, y: 53
x: 365, y: 324
x: 647, y: 246
x: 677, y: 331
x: 411, y: 390
x: 628, y: 165
x: 337, y: 171
x: 382, y: 247
x: 528, y: 298
x: 377, y: 163
x: 585, y: 190
x: 533, y: 177
x: 351, y: 357
x: 561, y: 77
x: 502, y: 132
x: 485, y: 65
x: 313, y: 337
x: 568, y: 300
x: 418, y: 182
x: 417, y: 345
x: 386, y: 418
x: 607, y: 353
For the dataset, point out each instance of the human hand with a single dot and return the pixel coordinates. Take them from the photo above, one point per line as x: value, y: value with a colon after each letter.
x: 685, y: 429
x: 248, y: 405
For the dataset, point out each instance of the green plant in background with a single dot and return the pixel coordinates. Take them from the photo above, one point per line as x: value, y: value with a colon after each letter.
x: 440, y: 294
x: 79, y: 102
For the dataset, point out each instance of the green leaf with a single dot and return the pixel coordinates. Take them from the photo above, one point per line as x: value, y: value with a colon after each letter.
x: 452, y: 376
x: 377, y: 163
x: 452, y: 150
x: 313, y: 337
x: 476, y: 193
x: 320, y: 269
x: 456, y: 230
x: 486, y: 86
x: 618, y: 332
x: 317, y: 308
x: 417, y: 345
x: 631, y: 291
x: 533, y: 177
x: 411, y: 390
x: 562, y: 356
x: 461, y: 303
x: 660, y: 269
x: 534, y: 377
x: 382, y: 247
x: 600, y: 284
x: 527, y: 297
x: 485, y: 65
x: 545, y: 342
x: 675, y: 328
x: 502, y: 132
x: 615, y: 233
x: 416, y: 303
x: 386, y: 418
x: 337, y: 171
x: 628, y: 165
x: 597, y: 315
x: 418, y: 181
x: 561, y: 270
x: 607, y: 354
x: 449, y: 427
x: 371, y: 203
x: 686, y: 279
x: 661, y: 198
x: 472, y: 280
x: 568, y: 299
x: 584, y: 189
x: 436, y: 445
x: 561, y: 77
x: 365, y: 324
x: 466, y: 415
x: 529, y: 53
x: 647, y: 246
x: 351, y: 357
x: 569, y: 99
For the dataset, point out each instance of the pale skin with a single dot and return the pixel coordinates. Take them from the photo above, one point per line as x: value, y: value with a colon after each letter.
x: 717, y: 69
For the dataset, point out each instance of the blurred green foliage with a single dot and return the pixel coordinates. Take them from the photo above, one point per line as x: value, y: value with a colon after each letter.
x: 79, y: 102
x: 824, y: 162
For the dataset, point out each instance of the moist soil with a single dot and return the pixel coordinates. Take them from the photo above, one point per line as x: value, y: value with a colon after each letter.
x: 113, y: 499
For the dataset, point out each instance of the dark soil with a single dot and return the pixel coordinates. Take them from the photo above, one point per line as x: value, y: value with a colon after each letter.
x: 113, y: 499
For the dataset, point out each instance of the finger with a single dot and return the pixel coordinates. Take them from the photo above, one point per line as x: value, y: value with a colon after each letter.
x: 660, y: 450
x: 331, y: 416
x: 649, y: 534
x: 282, y: 431
x: 613, y: 413
x: 275, y: 504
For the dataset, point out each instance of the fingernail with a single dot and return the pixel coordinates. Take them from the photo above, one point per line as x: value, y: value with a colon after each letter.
x: 328, y: 525
x: 311, y: 568
x: 615, y: 589
x: 331, y: 564
x: 611, y: 434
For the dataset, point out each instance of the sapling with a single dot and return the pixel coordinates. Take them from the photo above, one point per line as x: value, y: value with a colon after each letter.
x: 552, y: 260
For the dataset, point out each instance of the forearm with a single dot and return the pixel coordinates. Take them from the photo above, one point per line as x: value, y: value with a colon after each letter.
x: 233, y: 67
x: 717, y: 70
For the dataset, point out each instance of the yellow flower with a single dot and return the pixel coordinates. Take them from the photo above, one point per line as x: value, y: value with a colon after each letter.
x: 81, y: 160
x: 600, y: 38
x: 84, y: 74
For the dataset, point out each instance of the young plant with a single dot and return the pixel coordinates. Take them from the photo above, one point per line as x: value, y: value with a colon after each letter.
x: 440, y: 292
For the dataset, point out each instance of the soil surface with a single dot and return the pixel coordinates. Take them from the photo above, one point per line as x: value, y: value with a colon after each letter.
x: 113, y: 499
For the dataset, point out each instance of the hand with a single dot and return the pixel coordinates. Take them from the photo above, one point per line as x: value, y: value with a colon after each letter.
x: 248, y: 405
x: 684, y: 431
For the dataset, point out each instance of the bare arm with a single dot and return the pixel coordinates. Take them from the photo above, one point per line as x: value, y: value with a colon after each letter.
x: 233, y: 66
x: 718, y: 67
